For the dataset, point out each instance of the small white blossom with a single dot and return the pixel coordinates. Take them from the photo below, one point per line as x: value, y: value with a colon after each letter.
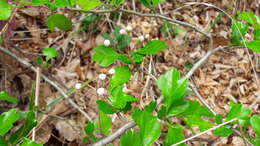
x: 101, y: 91
x: 102, y: 76
x: 107, y: 42
x: 129, y: 28
x: 122, y: 31
x: 78, y: 86
x: 125, y: 89
x: 112, y: 71
x: 141, y: 38
x: 147, y: 36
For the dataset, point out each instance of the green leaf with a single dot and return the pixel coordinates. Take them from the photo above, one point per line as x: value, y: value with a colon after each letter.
x: 172, y: 86
x: 250, y: 18
x: 239, y: 30
x: 105, y: 107
x: 124, y: 59
x: 174, y: 135
x: 89, y: 128
x: 150, y: 107
x: 60, y: 21
x: 61, y: 3
x: 131, y: 138
x: 120, y: 99
x: 218, y: 119
x: 121, y: 76
x: 88, y: 4
x: 117, y: 2
x: 223, y: 131
x: 255, y: 121
x: 150, y: 129
x: 3, y: 142
x: 137, y: 58
x: 7, y: 119
x: 123, y: 40
x: 254, y: 45
x: 104, y: 124
x: 5, y: 9
x: 23, y: 131
x: 257, y: 34
x: 242, y: 113
x: 28, y: 142
x: 105, y: 56
x: 195, y: 120
x: 50, y: 53
x: 152, y: 48
x: 4, y: 96
x: 151, y: 3
x: 162, y: 112
x: 178, y: 107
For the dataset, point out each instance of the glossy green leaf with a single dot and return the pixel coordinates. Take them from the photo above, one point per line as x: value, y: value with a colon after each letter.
x: 239, y: 30
x: 257, y: 34
x: 121, y: 76
x: 162, y: 112
x: 4, y: 96
x: 23, y: 131
x: 223, y: 131
x: 89, y: 128
x: 150, y: 129
x: 119, y: 98
x: 196, y: 120
x: 105, y: 107
x: 105, y: 56
x: 174, y: 135
x: 250, y: 18
x: 172, y: 86
x: 28, y: 142
x: 131, y: 138
x: 124, y: 59
x: 240, y: 112
x: 104, y: 124
x: 88, y: 4
x: 60, y: 21
x: 50, y: 53
x: 7, y: 119
x: 61, y: 3
x: 5, y: 9
x: 255, y: 121
x: 254, y: 45
x: 152, y: 48
x: 178, y: 107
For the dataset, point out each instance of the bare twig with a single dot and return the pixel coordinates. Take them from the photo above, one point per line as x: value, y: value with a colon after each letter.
x: 204, y: 132
x: 53, y: 83
x: 115, y: 135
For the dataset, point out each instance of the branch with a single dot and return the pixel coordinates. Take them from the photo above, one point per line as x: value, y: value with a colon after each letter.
x: 204, y: 132
x: 147, y: 15
x: 57, y: 86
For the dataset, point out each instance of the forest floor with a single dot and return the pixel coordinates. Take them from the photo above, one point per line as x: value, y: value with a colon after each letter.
x: 228, y: 75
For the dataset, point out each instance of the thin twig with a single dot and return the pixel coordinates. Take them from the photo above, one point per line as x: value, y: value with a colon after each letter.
x: 37, y: 92
x: 57, y: 86
x: 204, y: 132
x: 113, y: 136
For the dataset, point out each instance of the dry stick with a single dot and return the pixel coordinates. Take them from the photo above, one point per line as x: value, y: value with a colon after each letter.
x: 119, y: 132
x: 57, y: 86
x: 37, y: 92
x: 204, y: 132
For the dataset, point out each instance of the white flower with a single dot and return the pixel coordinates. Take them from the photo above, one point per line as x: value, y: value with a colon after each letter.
x: 78, y: 86
x: 112, y: 71
x: 129, y: 28
x: 101, y: 91
x: 147, y: 36
x: 122, y: 31
x: 102, y: 76
x: 141, y: 38
x: 107, y: 42
x: 125, y: 89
